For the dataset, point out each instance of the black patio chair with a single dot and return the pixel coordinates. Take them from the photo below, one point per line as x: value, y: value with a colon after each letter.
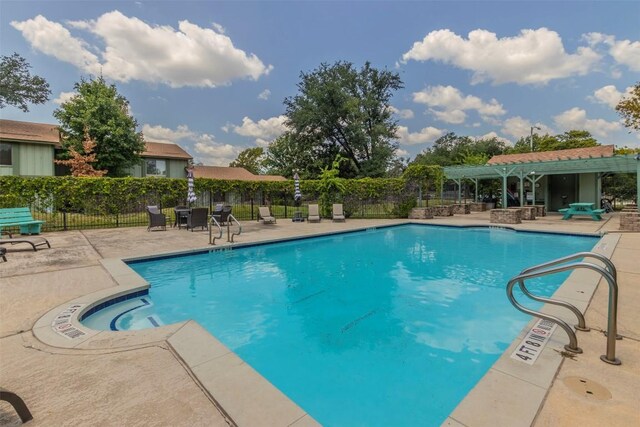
x: 223, y: 215
x: 199, y: 217
x: 17, y: 403
x: 156, y: 218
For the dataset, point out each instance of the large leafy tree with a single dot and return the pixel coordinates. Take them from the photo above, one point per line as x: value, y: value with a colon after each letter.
x: 103, y: 113
x: 18, y: 87
x: 570, y: 139
x: 451, y: 149
x: 629, y: 108
x: 251, y: 159
x: 288, y: 154
x: 346, y: 111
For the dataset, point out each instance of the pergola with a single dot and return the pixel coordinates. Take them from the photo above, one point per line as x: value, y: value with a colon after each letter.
x: 534, y: 170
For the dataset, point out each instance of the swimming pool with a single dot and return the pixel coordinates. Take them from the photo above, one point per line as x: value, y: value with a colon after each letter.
x: 391, y: 326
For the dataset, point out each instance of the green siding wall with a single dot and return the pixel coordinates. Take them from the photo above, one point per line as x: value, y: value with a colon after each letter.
x: 33, y: 160
x: 175, y: 168
x: 588, y: 188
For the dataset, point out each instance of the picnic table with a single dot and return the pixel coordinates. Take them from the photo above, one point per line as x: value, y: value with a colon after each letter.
x: 586, y: 209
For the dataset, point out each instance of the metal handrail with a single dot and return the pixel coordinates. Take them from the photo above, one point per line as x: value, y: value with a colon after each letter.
x: 212, y: 222
x: 229, y: 219
x: 610, y: 356
x: 607, y: 262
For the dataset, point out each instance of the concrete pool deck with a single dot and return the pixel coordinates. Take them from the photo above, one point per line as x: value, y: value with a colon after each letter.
x: 141, y: 379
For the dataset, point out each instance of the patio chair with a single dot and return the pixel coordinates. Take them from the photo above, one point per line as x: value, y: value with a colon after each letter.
x: 3, y: 252
x: 34, y: 241
x: 156, y: 218
x: 338, y: 214
x: 314, y: 213
x: 265, y: 215
x: 199, y: 217
x: 17, y: 403
x: 221, y: 213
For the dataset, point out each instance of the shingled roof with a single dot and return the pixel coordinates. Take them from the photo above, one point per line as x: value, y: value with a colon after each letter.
x: 550, y: 156
x: 229, y: 173
x: 166, y: 151
x: 37, y: 133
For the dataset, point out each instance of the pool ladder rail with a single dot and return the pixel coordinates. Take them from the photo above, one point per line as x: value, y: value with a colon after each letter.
x: 230, y: 235
x: 610, y: 275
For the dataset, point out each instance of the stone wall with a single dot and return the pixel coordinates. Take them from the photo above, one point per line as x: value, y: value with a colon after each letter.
x: 421, y: 213
x: 461, y: 209
x: 541, y: 210
x: 443, y: 210
x: 478, y: 207
x: 506, y: 216
x: 528, y: 212
x: 630, y: 221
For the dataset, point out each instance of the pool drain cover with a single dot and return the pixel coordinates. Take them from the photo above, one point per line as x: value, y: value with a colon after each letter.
x: 587, y: 388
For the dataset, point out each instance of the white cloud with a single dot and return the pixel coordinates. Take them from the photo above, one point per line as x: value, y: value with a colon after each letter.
x: 64, y: 97
x: 576, y: 118
x: 403, y: 114
x: 495, y: 135
x: 450, y: 104
x: 625, y: 52
x: 263, y: 131
x: 202, y: 146
x: 213, y: 153
x: 609, y: 95
x: 55, y: 40
x: 532, y: 57
x: 135, y: 50
x: 161, y: 134
x: 518, y: 127
x: 265, y: 94
x: 401, y: 153
x: 428, y: 134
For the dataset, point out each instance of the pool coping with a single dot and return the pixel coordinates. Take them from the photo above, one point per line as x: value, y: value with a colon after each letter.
x: 247, y: 398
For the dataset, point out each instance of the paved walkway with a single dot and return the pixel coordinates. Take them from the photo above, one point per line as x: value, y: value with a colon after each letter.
x: 148, y: 384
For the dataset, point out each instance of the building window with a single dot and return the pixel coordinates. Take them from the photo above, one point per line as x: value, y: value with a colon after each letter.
x: 5, y: 154
x: 156, y: 167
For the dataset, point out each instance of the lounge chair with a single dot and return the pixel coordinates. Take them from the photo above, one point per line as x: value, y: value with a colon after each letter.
x: 314, y: 213
x: 338, y: 214
x: 265, y: 215
x: 34, y: 241
x: 199, y: 217
x: 156, y: 218
x: 17, y: 403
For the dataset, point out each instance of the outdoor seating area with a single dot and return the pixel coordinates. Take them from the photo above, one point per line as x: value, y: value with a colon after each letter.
x: 582, y: 209
x: 19, y: 217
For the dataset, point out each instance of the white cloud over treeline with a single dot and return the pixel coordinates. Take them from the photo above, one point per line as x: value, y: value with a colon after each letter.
x: 132, y: 49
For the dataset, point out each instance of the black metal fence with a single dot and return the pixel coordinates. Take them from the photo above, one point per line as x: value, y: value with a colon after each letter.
x: 92, y: 214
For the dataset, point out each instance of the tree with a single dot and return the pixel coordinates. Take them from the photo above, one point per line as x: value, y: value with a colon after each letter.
x: 251, y: 159
x: 629, y: 108
x: 451, y: 149
x: 570, y: 139
x: 104, y: 114
x: 81, y: 163
x: 344, y: 110
x: 18, y: 87
x: 288, y: 154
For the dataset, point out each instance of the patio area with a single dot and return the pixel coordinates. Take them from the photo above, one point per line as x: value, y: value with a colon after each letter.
x: 141, y: 378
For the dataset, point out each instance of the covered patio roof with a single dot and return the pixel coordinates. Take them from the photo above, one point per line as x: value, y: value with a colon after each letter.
x: 533, y: 166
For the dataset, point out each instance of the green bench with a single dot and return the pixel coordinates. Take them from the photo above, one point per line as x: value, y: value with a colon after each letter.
x: 19, y: 217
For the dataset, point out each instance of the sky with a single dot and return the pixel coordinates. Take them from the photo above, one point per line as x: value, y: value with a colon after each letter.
x: 211, y: 76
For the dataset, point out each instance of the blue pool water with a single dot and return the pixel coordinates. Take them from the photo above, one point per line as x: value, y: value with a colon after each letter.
x: 391, y: 326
